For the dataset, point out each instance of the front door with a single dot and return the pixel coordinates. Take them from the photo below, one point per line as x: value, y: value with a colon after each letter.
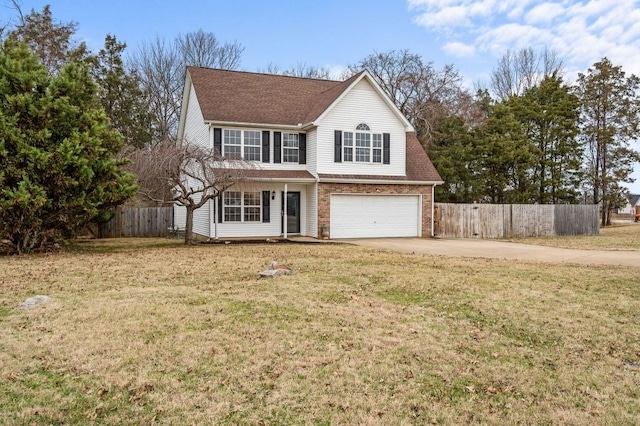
x: 293, y: 213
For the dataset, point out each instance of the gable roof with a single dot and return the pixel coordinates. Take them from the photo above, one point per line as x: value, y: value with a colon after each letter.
x: 634, y: 199
x: 264, y: 98
x: 419, y: 167
x: 270, y: 99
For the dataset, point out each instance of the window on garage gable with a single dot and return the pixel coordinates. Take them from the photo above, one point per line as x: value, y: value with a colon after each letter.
x: 368, y: 145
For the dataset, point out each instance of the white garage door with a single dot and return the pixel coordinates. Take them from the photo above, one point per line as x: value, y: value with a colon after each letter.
x: 375, y: 216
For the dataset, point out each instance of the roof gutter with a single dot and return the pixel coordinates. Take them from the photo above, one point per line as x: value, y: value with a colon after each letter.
x: 283, y: 179
x: 299, y: 126
x: 381, y: 181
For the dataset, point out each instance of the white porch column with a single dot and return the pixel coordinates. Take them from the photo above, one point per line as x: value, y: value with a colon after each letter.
x: 216, y: 206
x: 284, y: 216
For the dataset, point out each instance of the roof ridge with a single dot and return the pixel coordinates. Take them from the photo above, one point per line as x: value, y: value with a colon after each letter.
x: 266, y: 74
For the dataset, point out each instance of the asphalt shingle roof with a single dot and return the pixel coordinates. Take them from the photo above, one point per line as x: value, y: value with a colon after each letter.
x: 284, y: 100
x: 264, y: 98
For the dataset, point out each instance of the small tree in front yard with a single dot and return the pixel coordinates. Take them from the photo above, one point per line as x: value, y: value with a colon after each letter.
x: 186, y: 174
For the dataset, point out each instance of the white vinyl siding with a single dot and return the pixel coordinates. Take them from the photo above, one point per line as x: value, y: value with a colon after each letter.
x: 375, y: 216
x: 361, y: 105
x: 195, y: 131
x: 312, y: 210
x: 179, y: 217
x: 201, y: 219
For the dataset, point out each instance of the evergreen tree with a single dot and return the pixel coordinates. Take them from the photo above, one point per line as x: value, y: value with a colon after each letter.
x: 455, y: 155
x: 610, y: 105
x: 56, y: 154
x: 50, y: 40
x: 120, y: 94
x: 549, y: 115
x: 505, y: 156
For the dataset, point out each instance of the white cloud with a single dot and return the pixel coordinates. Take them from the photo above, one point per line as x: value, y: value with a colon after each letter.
x: 581, y: 32
x: 445, y: 17
x: 544, y: 13
x: 458, y: 49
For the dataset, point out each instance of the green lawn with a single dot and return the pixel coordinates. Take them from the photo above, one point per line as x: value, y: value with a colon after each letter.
x: 150, y: 331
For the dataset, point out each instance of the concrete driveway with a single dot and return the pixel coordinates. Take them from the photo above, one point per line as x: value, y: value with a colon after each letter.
x: 501, y: 250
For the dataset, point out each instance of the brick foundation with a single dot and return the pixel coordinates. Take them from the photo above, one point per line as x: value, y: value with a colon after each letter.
x: 326, y: 189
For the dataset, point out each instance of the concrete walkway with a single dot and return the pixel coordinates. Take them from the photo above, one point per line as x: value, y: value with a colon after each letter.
x: 502, y: 250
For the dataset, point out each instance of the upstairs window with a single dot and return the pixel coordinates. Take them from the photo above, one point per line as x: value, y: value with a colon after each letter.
x: 251, y: 145
x: 290, y: 145
x: 363, y: 147
x: 367, y: 145
x: 232, y: 142
x: 241, y: 144
x: 347, y: 143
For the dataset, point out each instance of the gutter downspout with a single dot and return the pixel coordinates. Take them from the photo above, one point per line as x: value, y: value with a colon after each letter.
x: 433, y: 203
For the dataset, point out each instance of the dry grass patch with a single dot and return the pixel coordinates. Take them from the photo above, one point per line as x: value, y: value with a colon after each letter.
x: 144, y: 331
x: 615, y: 237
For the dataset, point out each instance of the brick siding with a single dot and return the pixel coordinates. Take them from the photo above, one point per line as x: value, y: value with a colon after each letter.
x: 326, y: 189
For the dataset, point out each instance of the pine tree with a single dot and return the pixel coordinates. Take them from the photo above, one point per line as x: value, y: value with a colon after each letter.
x: 50, y: 40
x: 505, y: 156
x: 120, y: 94
x: 549, y: 115
x: 610, y: 105
x: 455, y: 155
x: 57, y: 153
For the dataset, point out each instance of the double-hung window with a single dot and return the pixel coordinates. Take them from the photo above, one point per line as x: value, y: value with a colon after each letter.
x: 290, y: 145
x: 376, y: 150
x: 363, y: 147
x: 241, y: 144
x: 347, y: 144
x: 232, y: 143
x: 251, y: 145
x: 242, y: 206
x: 367, y: 145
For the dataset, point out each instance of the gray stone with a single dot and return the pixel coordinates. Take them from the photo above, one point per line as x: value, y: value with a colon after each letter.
x: 35, y: 300
x: 270, y: 273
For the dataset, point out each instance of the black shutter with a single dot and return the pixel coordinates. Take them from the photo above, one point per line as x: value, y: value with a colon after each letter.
x: 386, y: 148
x: 266, y: 146
x: 302, y: 148
x: 217, y: 139
x: 277, y: 149
x: 220, y: 207
x: 337, y: 152
x: 266, y: 206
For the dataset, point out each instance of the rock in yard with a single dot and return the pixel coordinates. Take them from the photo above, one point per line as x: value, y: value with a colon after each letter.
x: 35, y: 300
x: 275, y: 270
x: 270, y: 273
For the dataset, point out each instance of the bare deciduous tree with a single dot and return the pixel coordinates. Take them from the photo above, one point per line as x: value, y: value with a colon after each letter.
x: 161, y: 66
x: 202, y: 49
x: 301, y: 69
x: 185, y: 174
x: 160, y: 69
x: 424, y: 94
x: 518, y: 71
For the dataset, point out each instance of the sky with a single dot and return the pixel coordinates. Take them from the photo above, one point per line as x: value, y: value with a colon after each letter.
x: 469, y: 34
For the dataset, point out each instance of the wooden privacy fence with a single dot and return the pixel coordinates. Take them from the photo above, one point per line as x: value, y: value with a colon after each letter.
x: 514, y: 220
x: 138, y: 222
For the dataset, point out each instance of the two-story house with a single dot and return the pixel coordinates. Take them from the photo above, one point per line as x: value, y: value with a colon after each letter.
x: 333, y: 159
